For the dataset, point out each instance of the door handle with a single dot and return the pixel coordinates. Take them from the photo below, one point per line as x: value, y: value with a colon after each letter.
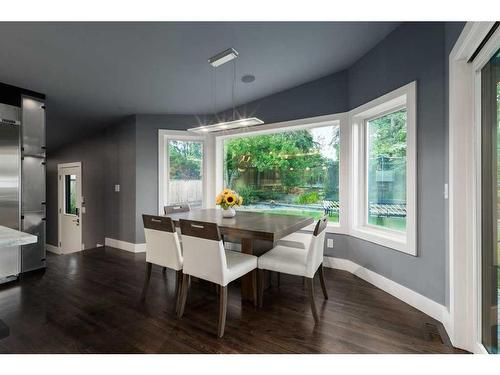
x: 77, y: 221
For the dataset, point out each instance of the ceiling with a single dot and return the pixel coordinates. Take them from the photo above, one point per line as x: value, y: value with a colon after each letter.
x: 95, y: 73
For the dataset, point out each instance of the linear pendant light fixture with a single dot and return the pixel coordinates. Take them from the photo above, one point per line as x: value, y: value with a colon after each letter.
x: 223, y: 57
x: 216, y: 61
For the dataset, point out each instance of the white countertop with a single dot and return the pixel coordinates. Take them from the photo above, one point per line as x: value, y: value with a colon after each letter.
x: 11, y: 237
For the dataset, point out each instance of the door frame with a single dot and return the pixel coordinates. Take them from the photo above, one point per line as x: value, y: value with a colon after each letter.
x: 60, y: 199
x: 464, y: 325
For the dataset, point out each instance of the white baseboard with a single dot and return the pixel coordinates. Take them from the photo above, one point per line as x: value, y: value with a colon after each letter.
x: 124, y: 245
x: 53, y: 249
x: 412, y: 298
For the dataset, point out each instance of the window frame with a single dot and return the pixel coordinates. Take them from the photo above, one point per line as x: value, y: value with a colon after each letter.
x: 164, y: 136
x: 404, y: 97
x: 340, y: 119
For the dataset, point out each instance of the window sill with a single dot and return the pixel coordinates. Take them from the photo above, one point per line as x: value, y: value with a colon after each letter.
x: 384, y: 238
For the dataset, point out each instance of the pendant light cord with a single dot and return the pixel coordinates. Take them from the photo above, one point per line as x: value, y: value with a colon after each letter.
x: 233, y: 89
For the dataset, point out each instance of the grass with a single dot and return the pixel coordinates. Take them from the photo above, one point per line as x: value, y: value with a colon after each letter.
x: 315, y: 214
x: 395, y: 223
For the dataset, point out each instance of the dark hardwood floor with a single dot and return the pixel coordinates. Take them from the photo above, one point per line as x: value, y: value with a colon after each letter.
x: 90, y: 303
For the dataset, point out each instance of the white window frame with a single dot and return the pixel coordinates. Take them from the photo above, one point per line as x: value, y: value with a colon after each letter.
x: 309, y: 123
x: 404, y: 97
x: 163, y: 163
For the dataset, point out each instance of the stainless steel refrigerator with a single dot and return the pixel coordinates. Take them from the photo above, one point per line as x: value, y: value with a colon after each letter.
x: 22, y: 183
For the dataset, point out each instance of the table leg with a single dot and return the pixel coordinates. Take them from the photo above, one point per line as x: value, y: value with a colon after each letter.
x: 247, y: 285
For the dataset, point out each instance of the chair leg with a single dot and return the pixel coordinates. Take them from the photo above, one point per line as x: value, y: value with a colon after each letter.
x: 254, y: 287
x: 310, y: 290
x: 222, y: 310
x: 322, y: 280
x: 147, y: 277
x: 184, y: 292
x: 279, y: 278
x: 262, y: 275
x: 178, y: 289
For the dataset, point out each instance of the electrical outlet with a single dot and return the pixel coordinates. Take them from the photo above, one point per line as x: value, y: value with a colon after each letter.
x: 117, y: 188
x: 329, y: 242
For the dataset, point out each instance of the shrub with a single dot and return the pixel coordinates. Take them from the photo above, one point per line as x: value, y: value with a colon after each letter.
x: 248, y: 193
x: 308, y: 198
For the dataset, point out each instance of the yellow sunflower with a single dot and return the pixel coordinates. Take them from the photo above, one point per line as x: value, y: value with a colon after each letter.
x: 240, y: 201
x: 226, y: 191
x: 230, y: 199
x: 218, y: 199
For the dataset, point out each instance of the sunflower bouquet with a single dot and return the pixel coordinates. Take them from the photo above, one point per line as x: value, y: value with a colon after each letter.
x: 228, y: 198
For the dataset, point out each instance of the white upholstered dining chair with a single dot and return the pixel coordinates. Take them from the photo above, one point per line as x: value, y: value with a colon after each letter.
x: 206, y: 259
x: 298, y: 261
x: 162, y: 248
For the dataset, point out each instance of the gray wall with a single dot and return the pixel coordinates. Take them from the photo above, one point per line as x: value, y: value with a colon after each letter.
x: 323, y: 96
x: 414, y: 51
x: 90, y: 153
x: 119, y: 164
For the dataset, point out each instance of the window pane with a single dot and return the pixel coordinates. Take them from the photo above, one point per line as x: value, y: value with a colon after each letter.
x: 70, y: 194
x: 293, y: 172
x: 386, y: 172
x: 186, y: 172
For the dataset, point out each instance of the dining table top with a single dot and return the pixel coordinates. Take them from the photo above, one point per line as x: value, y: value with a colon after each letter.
x: 248, y: 224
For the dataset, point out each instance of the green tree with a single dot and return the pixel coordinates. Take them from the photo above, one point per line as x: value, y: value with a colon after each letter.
x: 185, y: 160
x: 287, y: 153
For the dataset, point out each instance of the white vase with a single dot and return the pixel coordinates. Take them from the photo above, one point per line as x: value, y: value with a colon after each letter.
x: 229, y: 212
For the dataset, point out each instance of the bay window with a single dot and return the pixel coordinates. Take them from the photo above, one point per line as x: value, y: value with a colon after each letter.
x: 357, y: 168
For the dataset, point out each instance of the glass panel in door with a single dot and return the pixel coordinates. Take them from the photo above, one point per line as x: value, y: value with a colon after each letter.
x: 490, y: 181
x: 70, y: 194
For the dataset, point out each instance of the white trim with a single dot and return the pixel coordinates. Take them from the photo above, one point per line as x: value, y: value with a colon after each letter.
x: 412, y: 298
x: 307, y: 123
x: 163, y: 162
x: 464, y: 185
x: 405, y: 242
x: 53, y: 249
x: 124, y: 245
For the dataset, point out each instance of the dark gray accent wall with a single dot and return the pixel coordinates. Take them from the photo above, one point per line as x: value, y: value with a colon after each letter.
x: 120, y: 166
x: 90, y: 153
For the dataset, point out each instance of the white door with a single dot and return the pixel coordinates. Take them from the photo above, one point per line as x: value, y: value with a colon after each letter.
x: 70, y: 205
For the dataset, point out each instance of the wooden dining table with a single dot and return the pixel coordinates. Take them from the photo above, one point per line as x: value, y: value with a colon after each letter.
x: 256, y: 231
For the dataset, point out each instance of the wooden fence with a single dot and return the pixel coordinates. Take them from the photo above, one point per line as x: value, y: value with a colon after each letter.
x: 185, y: 191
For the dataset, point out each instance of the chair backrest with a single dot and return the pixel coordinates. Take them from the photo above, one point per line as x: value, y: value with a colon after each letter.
x: 204, y: 254
x: 176, y: 208
x: 162, y: 242
x: 316, y: 247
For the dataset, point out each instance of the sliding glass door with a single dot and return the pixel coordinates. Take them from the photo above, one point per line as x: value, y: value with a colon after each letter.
x: 490, y: 197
